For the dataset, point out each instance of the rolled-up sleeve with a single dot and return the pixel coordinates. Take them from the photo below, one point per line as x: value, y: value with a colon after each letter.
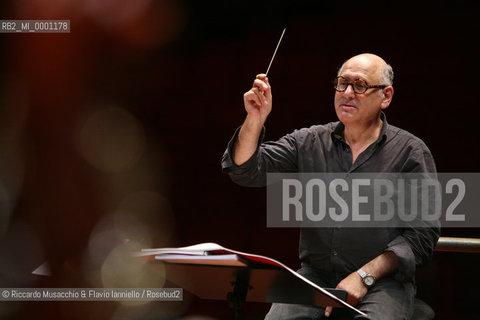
x: 277, y: 156
x: 247, y: 173
x: 415, y: 246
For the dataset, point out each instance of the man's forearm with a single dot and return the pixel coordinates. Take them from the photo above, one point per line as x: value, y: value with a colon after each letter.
x: 247, y: 140
x: 382, y: 265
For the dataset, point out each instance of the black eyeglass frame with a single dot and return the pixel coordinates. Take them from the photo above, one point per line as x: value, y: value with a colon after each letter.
x: 367, y: 86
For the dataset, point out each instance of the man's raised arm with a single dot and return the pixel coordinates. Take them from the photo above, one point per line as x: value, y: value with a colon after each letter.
x: 258, y: 104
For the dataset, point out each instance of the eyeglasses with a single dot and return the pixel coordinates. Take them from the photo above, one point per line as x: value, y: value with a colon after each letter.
x: 358, y: 85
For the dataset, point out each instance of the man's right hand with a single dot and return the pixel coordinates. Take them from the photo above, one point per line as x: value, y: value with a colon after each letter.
x: 258, y: 104
x: 258, y: 100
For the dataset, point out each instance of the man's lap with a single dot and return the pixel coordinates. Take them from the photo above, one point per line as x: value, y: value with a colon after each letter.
x: 388, y: 299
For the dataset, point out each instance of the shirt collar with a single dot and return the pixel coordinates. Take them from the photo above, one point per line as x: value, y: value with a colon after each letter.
x: 337, y: 132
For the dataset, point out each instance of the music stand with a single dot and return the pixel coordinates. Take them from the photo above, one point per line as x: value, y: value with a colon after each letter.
x: 210, y: 271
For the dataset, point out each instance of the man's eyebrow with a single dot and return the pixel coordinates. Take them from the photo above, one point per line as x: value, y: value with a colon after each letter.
x: 350, y: 78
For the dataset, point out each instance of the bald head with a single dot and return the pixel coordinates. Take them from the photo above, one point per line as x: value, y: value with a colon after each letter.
x: 372, y: 64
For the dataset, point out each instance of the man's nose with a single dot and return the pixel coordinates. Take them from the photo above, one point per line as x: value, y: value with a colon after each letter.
x: 349, y: 91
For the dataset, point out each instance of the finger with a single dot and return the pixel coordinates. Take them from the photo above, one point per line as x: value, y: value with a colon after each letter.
x: 267, y: 83
x: 261, y: 76
x: 328, y: 311
x: 260, y: 96
x: 268, y: 92
x: 253, y: 97
x: 261, y: 85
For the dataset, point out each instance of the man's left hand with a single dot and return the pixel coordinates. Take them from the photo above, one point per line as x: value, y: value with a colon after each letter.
x: 355, y: 288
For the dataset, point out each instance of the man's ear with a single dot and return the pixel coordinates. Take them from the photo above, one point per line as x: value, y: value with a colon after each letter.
x: 387, y: 97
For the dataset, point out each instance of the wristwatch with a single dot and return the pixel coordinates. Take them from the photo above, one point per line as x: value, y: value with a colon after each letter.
x: 367, y: 279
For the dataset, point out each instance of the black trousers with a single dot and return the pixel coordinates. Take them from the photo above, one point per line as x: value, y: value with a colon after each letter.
x: 388, y: 299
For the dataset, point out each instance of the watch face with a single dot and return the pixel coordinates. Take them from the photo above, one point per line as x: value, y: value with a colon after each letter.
x: 369, y: 280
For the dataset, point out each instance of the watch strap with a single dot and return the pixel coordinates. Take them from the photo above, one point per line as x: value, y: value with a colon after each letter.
x: 362, y: 273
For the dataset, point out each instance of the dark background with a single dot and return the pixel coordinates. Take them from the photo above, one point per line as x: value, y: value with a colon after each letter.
x: 163, y: 82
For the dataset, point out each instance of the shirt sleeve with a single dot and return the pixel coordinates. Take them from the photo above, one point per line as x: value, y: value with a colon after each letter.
x: 415, y: 246
x: 277, y: 156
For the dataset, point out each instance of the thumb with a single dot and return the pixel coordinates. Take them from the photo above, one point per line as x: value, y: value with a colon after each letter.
x: 328, y: 311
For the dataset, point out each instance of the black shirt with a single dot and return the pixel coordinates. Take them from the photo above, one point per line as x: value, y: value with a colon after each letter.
x: 322, y: 148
